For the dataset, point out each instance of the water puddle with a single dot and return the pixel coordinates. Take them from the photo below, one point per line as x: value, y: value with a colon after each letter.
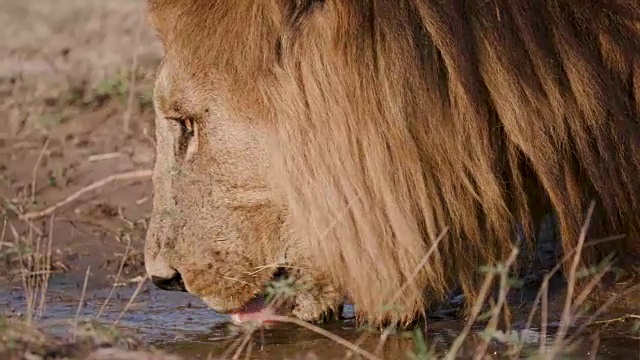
x: 181, y: 324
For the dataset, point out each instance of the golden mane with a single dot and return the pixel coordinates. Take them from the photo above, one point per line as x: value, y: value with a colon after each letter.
x: 396, y: 119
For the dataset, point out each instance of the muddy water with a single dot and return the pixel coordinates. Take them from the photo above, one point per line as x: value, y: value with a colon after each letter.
x: 181, y: 324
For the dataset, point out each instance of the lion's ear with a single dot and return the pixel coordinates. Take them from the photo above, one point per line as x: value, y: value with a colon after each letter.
x: 163, y: 15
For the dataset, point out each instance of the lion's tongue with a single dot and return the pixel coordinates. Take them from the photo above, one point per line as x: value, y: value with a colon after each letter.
x: 255, y: 311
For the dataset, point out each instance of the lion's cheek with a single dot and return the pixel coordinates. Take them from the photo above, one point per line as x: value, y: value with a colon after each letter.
x: 222, y: 289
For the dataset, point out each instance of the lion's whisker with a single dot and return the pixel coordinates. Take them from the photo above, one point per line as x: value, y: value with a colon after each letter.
x: 236, y: 279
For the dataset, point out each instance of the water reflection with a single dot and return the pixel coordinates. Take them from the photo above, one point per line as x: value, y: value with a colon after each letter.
x: 179, y: 323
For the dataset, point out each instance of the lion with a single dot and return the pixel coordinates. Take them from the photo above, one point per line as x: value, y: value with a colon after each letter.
x: 367, y: 148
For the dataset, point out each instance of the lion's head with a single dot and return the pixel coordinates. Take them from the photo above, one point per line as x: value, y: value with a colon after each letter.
x: 221, y: 224
x: 334, y: 141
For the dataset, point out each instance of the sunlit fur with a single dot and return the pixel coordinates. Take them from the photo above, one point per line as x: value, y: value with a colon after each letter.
x: 386, y: 121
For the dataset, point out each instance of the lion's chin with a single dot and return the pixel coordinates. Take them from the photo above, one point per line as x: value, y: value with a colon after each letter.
x: 258, y: 311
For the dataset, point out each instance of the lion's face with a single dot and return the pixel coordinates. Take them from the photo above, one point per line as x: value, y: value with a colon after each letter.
x: 215, y: 222
x: 219, y: 226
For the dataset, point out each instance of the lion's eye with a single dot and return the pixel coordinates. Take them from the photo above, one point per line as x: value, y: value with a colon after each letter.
x: 187, y: 144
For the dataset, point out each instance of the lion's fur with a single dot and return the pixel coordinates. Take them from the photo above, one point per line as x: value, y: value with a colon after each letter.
x: 395, y: 119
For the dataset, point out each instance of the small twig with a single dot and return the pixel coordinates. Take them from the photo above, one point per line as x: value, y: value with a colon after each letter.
x: 238, y: 344
x: 542, y: 295
x: 504, y: 289
x: 35, y: 171
x: 271, y: 266
x: 35, y: 273
x: 595, y: 346
x: 579, y: 300
x: 132, y: 79
x: 383, y: 339
x: 130, y: 223
x: 566, y: 317
x: 475, y: 311
x: 131, y: 175
x: 420, y: 266
x: 46, y: 268
x: 115, y: 282
x: 544, y: 315
x: 566, y: 313
x: 4, y: 232
x: 35, y: 263
x: 100, y: 157
x: 247, y: 355
x: 588, y: 288
x: 84, y: 290
x: 244, y: 342
x: 600, y: 310
x: 327, y: 334
x: 126, y: 307
x: 10, y: 206
x: 616, y: 319
x: 362, y: 339
x: 24, y: 268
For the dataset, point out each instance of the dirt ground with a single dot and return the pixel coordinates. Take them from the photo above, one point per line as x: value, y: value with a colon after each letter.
x: 75, y: 102
x: 72, y: 117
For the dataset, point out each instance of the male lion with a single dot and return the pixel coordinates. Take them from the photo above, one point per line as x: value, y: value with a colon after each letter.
x: 333, y: 141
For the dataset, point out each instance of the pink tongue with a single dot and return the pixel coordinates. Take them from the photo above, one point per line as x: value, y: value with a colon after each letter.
x: 255, y: 311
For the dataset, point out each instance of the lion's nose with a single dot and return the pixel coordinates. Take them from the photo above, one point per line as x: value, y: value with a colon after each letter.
x: 162, y: 274
x: 173, y: 283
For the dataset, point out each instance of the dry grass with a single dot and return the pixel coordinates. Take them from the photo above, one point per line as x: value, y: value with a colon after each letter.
x: 22, y: 338
x: 131, y: 175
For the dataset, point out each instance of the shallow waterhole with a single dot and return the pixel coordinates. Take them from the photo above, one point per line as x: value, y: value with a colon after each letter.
x: 181, y: 324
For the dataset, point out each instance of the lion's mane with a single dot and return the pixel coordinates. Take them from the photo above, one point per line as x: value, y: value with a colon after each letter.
x: 396, y: 119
